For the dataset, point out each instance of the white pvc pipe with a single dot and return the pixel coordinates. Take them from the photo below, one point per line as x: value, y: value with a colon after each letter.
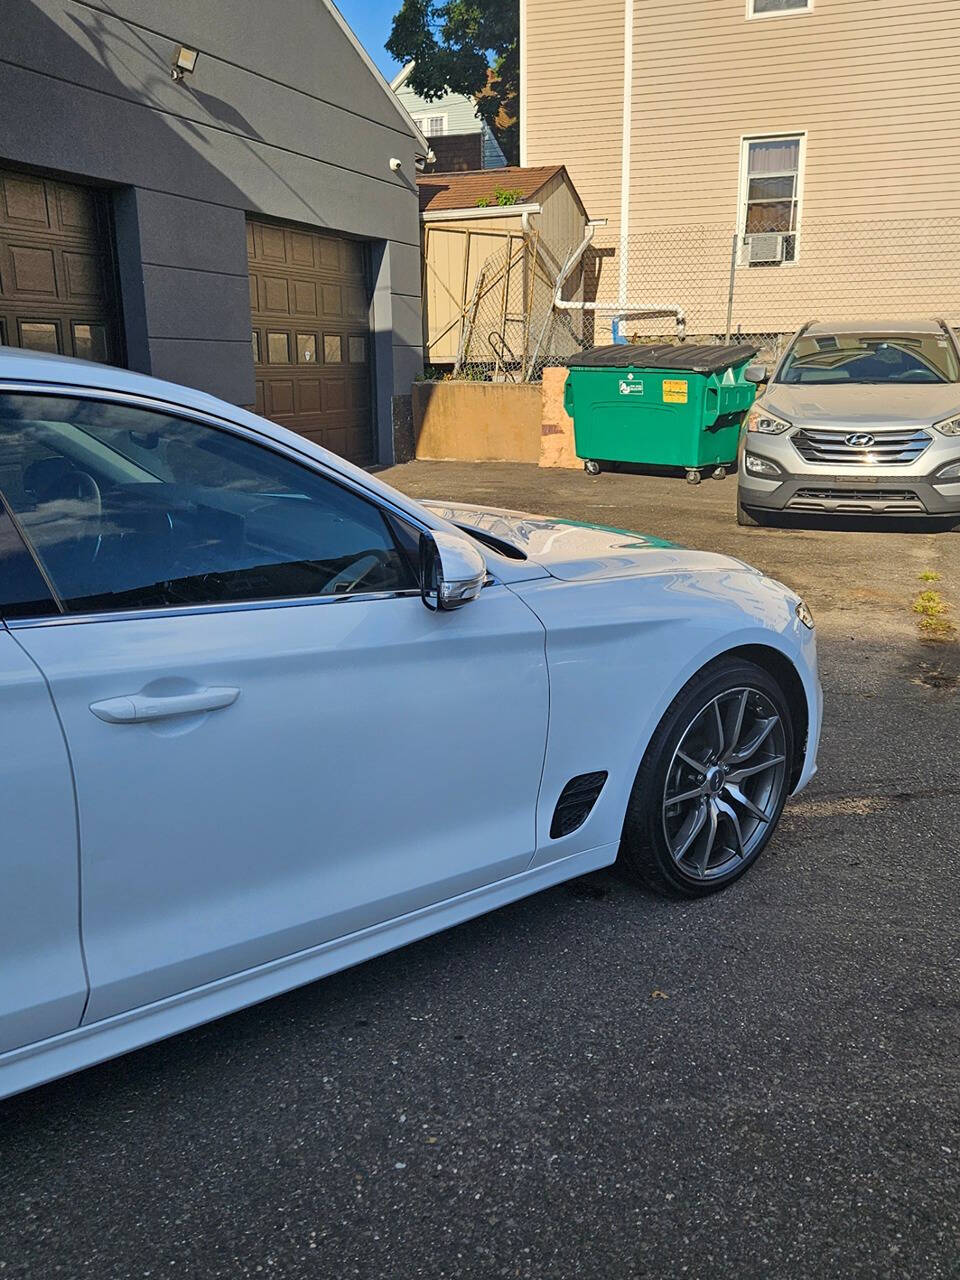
x: 625, y: 148
x: 622, y: 306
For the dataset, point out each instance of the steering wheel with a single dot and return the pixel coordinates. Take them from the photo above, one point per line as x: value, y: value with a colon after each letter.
x: 352, y: 574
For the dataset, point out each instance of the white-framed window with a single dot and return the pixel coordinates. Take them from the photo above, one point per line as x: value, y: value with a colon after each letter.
x: 771, y: 190
x: 434, y: 126
x: 777, y: 8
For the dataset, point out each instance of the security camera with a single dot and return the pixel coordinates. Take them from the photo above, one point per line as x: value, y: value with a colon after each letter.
x: 395, y: 164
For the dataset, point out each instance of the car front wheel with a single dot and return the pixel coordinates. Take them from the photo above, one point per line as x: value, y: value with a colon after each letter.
x: 713, y: 782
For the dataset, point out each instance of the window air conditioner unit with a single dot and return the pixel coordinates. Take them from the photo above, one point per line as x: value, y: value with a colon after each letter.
x: 764, y: 247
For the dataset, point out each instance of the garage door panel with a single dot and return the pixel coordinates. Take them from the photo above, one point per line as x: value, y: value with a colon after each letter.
x: 360, y: 396
x: 34, y: 272
x: 84, y: 275
x: 24, y: 201
x: 352, y: 262
x: 272, y: 243
x: 76, y: 210
x: 332, y: 300
x: 334, y: 395
x: 57, y: 282
x: 304, y: 298
x: 309, y: 398
x: 301, y: 249
x: 280, y: 398
x: 276, y: 295
x: 328, y: 256
x: 355, y: 304
x: 305, y: 378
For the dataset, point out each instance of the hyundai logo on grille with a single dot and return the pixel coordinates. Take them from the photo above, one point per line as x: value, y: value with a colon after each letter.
x: 860, y: 440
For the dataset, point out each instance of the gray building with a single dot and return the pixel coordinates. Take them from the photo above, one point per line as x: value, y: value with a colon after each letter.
x: 245, y: 229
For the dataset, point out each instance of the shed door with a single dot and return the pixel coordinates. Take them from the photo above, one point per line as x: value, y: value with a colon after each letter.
x: 58, y: 287
x: 311, y: 335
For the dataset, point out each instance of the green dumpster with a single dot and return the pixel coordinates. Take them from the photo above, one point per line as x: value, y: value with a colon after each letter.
x: 659, y: 405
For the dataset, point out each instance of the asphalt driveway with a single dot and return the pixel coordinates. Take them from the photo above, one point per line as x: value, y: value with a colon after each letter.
x: 594, y: 1082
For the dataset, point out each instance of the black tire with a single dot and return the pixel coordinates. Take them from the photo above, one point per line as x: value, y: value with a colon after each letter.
x: 748, y: 519
x: 591, y: 467
x: 644, y: 850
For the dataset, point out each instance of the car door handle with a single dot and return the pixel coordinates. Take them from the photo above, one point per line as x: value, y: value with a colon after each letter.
x: 135, y: 708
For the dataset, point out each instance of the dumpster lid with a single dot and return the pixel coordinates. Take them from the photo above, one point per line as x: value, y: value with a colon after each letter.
x: 663, y: 355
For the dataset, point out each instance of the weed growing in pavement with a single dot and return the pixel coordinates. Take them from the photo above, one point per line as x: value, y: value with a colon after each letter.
x: 931, y: 607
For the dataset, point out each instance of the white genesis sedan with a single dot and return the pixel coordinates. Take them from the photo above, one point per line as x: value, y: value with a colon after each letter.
x: 266, y: 717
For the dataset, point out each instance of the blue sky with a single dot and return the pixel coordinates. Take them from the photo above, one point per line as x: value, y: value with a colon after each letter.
x: 372, y: 20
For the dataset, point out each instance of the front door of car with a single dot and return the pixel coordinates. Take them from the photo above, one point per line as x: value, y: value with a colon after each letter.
x: 43, y: 985
x: 275, y: 744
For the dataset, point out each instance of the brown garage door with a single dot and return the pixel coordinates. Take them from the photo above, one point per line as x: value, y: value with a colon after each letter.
x: 57, y: 278
x: 311, y: 338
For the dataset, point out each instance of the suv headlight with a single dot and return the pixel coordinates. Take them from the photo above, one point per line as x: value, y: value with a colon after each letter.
x: 762, y: 420
x: 949, y: 427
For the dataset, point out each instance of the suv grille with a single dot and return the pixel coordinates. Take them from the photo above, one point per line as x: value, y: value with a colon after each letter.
x: 873, y: 500
x: 886, y: 448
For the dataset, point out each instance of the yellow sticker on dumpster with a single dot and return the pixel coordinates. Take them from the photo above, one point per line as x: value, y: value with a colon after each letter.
x: 675, y: 391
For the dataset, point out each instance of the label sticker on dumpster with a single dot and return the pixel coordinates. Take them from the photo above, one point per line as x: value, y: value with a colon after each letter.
x: 631, y: 388
x: 675, y: 391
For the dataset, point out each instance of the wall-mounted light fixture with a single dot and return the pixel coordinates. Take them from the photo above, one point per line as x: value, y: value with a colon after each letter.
x: 184, y: 61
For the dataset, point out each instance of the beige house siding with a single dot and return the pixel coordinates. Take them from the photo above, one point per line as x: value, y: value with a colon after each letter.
x: 874, y: 88
x: 574, y: 94
x: 561, y: 222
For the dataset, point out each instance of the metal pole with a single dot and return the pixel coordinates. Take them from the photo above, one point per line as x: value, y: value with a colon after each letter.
x: 733, y: 277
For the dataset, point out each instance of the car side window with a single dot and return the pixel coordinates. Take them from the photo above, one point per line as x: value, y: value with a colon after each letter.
x: 127, y: 508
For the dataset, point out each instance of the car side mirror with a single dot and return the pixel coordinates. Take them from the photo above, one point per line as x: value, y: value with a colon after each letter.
x: 755, y: 373
x: 452, y: 570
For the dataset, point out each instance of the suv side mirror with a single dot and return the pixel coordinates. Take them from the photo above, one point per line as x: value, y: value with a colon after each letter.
x: 452, y: 570
x: 755, y: 373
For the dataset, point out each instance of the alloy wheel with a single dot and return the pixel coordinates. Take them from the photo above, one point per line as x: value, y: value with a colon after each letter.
x: 724, y: 784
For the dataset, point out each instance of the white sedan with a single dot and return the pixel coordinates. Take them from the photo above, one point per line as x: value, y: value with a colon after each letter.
x: 266, y: 717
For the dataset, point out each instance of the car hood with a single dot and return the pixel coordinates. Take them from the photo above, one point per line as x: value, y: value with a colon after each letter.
x: 861, y: 406
x: 572, y: 550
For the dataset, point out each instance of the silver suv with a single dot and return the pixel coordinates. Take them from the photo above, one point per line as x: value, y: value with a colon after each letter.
x: 858, y: 419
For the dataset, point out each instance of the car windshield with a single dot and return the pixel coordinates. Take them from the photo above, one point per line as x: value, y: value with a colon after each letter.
x: 871, y: 358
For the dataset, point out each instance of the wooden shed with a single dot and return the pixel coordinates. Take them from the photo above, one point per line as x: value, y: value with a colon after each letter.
x: 518, y: 223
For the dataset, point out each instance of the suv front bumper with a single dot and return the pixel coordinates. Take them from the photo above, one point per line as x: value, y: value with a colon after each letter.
x: 843, y: 491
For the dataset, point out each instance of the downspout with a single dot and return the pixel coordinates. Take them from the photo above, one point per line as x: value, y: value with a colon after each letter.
x: 625, y: 149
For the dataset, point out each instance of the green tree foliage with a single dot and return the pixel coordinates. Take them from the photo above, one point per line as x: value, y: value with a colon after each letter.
x: 470, y: 47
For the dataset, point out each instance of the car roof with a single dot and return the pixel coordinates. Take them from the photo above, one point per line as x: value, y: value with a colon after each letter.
x: 874, y: 326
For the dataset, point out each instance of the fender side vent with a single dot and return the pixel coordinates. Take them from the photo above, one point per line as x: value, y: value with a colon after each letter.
x: 576, y: 800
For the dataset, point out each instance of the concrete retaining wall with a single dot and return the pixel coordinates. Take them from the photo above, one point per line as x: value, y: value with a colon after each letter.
x: 477, y: 421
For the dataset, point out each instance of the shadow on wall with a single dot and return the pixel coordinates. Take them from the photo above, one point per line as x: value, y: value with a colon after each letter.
x: 153, y: 132
x: 593, y: 261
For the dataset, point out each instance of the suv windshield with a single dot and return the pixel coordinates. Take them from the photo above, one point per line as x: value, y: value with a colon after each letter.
x: 871, y: 358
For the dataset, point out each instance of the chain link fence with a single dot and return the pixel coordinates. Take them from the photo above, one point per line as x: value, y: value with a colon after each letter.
x: 707, y: 284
